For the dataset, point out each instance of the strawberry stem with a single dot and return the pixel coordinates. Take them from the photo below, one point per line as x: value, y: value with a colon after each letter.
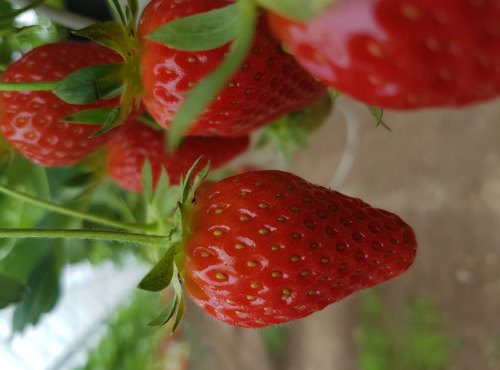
x: 28, y: 86
x: 75, y: 213
x: 110, y: 236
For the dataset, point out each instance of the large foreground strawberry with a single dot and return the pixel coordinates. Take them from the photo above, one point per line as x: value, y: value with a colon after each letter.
x: 137, y: 142
x: 402, y: 54
x: 268, y: 247
x: 268, y: 85
x: 31, y: 120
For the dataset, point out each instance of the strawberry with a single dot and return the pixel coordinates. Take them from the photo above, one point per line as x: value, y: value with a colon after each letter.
x: 268, y: 85
x: 401, y: 54
x: 268, y: 247
x: 128, y: 150
x: 31, y: 120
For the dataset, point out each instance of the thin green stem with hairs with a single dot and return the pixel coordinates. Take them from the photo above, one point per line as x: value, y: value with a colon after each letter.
x: 75, y: 213
x: 29, y: 86
x: 109, y: 236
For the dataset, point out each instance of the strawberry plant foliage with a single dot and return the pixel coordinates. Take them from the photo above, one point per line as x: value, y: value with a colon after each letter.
x: 203, y: 31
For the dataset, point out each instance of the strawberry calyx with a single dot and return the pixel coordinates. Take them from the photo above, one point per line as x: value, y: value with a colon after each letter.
x: 120, y: 36
x: 292, y: 131
x: 169, y: 270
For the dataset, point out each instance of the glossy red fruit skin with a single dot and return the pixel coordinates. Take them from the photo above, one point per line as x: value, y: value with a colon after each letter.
x: 402, y: 54
x: 268, y: 247
x: 269, y: 84
x: 30, y: 120
x: 127, y: 151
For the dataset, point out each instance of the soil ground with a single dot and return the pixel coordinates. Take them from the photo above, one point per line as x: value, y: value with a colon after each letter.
x: 440, y: 171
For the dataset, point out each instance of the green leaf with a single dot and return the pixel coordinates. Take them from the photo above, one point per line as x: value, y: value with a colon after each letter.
x: 90, y: 84
x: 11, y: 291
x: 147, y: 180
x: 180, y: 297
x: 162, y: 187
x: 301, y: 10
x: 110, y: 34
x: 166, y: 314
x: 44, y: 291
x: 98, y: 116
x: 186, y: 181
x: 159, y: 277
x: 199, y: 97
x: 200, y: 176
x: 202, y: 31
x: 378, y: 113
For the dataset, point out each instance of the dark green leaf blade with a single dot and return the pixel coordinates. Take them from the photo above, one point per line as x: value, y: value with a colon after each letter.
x: 202, y: 31
x: 44, y: 287
x: 110, y: 34
x: 159, y: 277
x: 11, y: 291
x: 98, y: 116
x: 90, y: 84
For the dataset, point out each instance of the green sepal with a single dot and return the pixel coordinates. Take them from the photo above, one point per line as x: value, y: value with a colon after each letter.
x: 300, y: 10
x: 292, y: 131
x: 181, y: 308
x: 147, y: 181
x: 110, y: 34
x: 90, y: 84
x: 159, y: 277
x: 185, y: 182
x: 99, y: 116
x: 200, y: 176
x: 285, y: 135
x: 197, y: 32
x: 378, y: 113
x: 165, y: 197
x: 11, y: 291
x: 166, y: 314
x: 199, y: 98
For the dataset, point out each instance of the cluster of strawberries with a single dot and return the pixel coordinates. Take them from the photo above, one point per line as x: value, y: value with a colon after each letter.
x: 267, y: 247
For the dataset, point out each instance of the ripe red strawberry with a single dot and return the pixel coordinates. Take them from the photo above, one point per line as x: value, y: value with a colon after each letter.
x: 268, y: 247
x: 128, y: 150
x: 402, y: 54
x: 30, y: 120
x: 268, y: 85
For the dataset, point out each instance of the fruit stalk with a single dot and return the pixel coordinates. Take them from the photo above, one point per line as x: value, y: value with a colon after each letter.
x: 75, y: 213
x: 28, y: 86
x: 109, y: 236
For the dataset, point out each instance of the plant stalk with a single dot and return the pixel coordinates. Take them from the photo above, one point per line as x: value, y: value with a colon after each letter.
x: 75, y: 213
x: 109, y: 236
